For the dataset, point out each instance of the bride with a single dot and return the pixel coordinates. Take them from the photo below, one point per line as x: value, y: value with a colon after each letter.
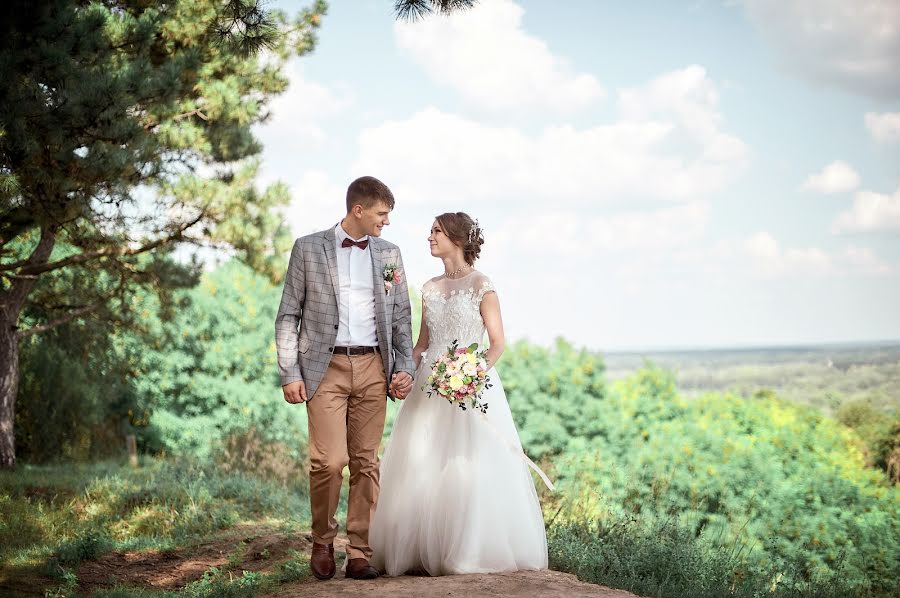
x: 456, y: 494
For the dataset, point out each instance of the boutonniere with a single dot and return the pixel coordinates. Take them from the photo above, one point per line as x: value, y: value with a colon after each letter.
x: 391, y: 275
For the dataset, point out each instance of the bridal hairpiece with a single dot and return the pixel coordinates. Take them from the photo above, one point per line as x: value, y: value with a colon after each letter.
x: 474, y: 231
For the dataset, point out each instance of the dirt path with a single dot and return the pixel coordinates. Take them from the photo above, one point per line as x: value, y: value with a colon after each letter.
x: 260, y: 548
x: 522, y: 584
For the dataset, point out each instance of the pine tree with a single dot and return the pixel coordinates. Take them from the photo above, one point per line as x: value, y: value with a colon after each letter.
x: 412, y: 10
x: 125, y: 133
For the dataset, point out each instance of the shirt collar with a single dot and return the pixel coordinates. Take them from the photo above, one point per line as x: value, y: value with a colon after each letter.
x: 341, y: 234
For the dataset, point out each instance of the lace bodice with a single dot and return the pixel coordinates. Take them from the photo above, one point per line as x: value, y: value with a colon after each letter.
x: 453, y: 310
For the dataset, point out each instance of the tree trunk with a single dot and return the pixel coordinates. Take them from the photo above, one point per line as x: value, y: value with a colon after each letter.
x: 11, y: 302
x: 9, y: 385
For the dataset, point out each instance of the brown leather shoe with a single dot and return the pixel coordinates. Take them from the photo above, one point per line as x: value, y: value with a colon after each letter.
x: 322, y: 561
x: 360, y: 569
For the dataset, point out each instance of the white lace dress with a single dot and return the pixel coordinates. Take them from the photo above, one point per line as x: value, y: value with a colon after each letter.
x: 455, y: 498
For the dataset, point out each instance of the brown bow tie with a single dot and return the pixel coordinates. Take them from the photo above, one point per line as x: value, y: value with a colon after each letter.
x: 348, y: 242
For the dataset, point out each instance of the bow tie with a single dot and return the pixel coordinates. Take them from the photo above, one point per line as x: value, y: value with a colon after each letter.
x: 348, y: 242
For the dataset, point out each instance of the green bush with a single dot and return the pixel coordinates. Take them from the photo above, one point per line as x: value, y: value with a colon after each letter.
x: 553, y: 394
x: 212, y: 372
x: 74, y: 401
x: 760, y: 471
x: 668, y: 559
x: 879, y: 431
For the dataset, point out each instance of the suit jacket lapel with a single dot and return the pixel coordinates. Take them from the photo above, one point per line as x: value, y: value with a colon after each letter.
x: 380, y: 298
x: 331, y: 258
x: 377, y: 278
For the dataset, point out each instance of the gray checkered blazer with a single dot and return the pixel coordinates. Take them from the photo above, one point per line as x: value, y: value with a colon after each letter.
x: 307, y: 322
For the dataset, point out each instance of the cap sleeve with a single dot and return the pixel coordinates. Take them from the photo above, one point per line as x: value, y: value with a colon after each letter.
x: 483, y: 287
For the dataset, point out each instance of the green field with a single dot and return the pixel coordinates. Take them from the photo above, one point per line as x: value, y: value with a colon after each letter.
x: 824, y: 377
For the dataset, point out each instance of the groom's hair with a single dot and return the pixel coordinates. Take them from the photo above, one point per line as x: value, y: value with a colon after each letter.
x: 367, y: 191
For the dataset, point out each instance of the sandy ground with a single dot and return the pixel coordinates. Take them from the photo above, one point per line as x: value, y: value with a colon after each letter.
x: 551, y: 584
x: 257, y: 548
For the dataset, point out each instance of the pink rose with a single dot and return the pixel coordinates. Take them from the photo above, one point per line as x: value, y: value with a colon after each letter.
x: 397, y: 277
x: 460, y: 351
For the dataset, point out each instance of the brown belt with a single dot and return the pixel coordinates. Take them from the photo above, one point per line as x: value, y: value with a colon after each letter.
x: 354, y: 350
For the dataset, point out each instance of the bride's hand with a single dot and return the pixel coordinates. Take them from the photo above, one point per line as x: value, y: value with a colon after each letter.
x: 401, y: 384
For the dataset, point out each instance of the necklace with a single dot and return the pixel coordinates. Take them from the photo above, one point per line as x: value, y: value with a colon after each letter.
x: 457, y: 271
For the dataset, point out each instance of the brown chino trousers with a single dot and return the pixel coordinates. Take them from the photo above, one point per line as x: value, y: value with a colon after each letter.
x: 346, y: 421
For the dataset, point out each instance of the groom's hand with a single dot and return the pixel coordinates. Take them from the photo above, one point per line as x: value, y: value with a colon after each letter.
x: 295, y: 392
x: 401, y: 384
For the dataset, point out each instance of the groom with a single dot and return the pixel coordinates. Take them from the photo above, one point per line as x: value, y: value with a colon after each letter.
x: 342, y: 331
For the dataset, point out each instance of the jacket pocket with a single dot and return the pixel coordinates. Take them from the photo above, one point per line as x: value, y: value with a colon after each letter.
x: 305, y: 343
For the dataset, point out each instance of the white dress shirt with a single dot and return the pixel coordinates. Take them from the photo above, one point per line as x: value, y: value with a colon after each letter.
x: 356, y: 307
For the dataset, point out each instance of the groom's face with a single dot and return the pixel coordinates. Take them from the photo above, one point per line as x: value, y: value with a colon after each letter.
x: 375, y: 218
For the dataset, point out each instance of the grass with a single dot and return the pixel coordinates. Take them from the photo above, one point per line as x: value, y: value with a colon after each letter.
x: 666, y: 559
x: 217, y: 583
x: 54, y: 517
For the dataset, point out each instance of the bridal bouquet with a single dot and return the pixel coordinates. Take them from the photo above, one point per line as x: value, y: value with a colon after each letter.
x: 460, y: 376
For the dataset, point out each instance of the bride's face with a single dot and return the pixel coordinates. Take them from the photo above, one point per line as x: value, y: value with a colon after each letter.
x: 441, y: 245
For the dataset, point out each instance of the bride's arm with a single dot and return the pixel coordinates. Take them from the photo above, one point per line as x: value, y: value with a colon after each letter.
x: 422, y: 343
x: 490, y: 313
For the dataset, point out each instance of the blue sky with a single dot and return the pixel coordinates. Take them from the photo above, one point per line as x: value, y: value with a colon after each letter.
x: 649, y: 175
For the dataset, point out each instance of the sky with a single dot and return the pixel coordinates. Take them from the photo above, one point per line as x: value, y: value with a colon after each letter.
x: 649, y: 175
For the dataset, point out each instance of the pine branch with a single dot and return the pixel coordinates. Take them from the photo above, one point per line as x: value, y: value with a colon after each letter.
x: 196, y: 111
x: 413, y: 10
x: 80, y: 310
x: 58, y: 321
x: 28, y: 267
x: 246, y: 28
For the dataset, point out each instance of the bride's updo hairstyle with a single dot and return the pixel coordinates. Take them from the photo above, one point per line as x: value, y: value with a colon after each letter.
x: 464, y: 232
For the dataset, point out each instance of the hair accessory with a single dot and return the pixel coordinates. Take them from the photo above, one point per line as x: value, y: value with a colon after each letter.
x: 474, y: 231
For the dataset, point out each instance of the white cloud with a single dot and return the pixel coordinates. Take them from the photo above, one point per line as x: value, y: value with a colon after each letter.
x: 486, y: 55
x: 668, y: 145
x: 318, y: 202
x: 837, y: 177
x: 770, y: 259
x: 870, y: 212
x: 863, y: 260
x: 852, y: 45
x: 884, y: 127
x: 297, y: 115
x: 571, y: 234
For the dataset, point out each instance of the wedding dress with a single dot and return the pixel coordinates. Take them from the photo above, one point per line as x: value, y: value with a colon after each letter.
x: 456, y: 494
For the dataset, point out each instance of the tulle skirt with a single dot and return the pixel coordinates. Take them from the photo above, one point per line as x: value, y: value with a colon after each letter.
x: 455, y: 495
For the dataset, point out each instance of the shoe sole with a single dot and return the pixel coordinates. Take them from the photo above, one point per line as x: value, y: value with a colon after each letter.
x: 323, y: 577
x: 369, y: 576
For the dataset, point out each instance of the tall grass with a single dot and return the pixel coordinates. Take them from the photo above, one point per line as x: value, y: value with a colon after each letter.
x: 663, y: 557
x: 56, y: 516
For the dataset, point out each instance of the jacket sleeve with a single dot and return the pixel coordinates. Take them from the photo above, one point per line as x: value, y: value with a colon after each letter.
x: 401, y: 325
x: 287, y: 322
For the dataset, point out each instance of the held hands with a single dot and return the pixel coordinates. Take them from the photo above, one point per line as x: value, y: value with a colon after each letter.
x: 401, y: 384
x: 295, y: 392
